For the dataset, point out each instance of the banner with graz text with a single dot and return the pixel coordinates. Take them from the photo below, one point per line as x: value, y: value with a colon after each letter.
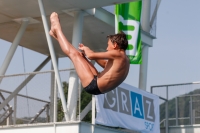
x: 129, y: 107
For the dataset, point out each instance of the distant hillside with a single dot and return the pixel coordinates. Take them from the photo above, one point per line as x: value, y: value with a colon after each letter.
x: 183, y: 108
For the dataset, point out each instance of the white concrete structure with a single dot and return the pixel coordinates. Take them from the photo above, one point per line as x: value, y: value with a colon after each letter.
x: 72, y: 127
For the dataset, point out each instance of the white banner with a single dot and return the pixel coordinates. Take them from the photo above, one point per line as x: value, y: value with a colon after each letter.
x: 129, y: 107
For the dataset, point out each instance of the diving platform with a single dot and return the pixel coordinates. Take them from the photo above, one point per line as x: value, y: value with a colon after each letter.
x: 61, y: 127
x: 183, y: 129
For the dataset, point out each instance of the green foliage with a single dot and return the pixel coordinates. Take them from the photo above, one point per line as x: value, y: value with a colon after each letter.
x: 18, y: 121
x: 60, y: 113
x: 85, y: 99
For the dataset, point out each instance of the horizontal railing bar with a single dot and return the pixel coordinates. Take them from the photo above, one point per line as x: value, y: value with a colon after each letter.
x: 25, y: 96
x: 182, y: 118
x: 176, y: 84
x: 33, y: 73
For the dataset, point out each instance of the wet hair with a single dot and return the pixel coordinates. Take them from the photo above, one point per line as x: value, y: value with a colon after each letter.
x: 120, y: 39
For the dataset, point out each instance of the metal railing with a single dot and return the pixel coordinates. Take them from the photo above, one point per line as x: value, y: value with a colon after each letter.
x: 9, y: 116
x: 33, y: 102
x: 180, y: 104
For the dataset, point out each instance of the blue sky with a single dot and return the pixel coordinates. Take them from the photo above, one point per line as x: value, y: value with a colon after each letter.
x: 174, y: 57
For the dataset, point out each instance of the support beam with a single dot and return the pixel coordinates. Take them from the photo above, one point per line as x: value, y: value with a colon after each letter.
x: 109, y: 18
x: 93, y: 109
x: 167, y: 111
x: 143, y: 68
x: 47, y: 114
x: 16, y: 91
x: 14, y: 46
x: 85, y: 111
x: 146, y: 9
x: 53, y: 96
x: 147, y: 38
x: 15, y: 110
x: 102, y: 15
x: 55, y: 101
x: 39, y: 113
x: 155, y: 12
x: 73, y: 78
x: 7, y: 115
x: 52, y: 52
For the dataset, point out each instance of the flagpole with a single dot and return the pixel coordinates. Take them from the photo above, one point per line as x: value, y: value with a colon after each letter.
x: 116, y: 24
x: 146, y: 8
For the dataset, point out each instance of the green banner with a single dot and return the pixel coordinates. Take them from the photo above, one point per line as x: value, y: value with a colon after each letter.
x: 128, y: 21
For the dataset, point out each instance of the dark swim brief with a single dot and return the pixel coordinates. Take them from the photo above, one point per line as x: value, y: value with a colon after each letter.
x: 92, y: 88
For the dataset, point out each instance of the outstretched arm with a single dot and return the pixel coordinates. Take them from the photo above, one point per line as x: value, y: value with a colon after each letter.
x: 86, y: 51
x: 101, y: 62
x: 111, y: 54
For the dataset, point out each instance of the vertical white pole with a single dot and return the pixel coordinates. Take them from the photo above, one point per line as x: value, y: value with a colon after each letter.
x: 93, y: 109
x: 55, y: 101
x: 14, y: 46
x: 52, y: 52
x: 176, y: 103
x: 193, y: 116
x: 143, y: 68
x: 52, y: 95
x: 15, y: 110
x: 73, y: 78
x: 9, y: 119
x: 79, y: 101
x: 53, y: 98
x: 191, y: 120
x: 116, y: 24
x: 167, y: 111
x: 93, y: 104
x: 146, y: 8
x: 93, y: 112
x: 47, y: 114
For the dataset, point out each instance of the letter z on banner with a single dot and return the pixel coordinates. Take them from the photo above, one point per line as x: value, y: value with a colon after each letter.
x: 129, y: 107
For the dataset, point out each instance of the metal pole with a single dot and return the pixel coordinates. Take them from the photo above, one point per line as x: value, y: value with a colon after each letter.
x: 13, y: 47
x: 55, y: 101
x: 93, y: 112
x: 52, y: 95
x: 155, y: 12
x: 116, y: 24
x: 191, y: 115
x: 8, y: 120
x: 85, y: 111
x: 146, y: 9
x: 47, y: 114
x: 73, y: 78
x: 15, y: 110
x: 79, y: 101
x: 52, y: 52
x: 166, y: 111
x: 32, y: 98
x: 151, y: 89
x: 16, y: 91
x: 93, y: 109
x: 176, y: 104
